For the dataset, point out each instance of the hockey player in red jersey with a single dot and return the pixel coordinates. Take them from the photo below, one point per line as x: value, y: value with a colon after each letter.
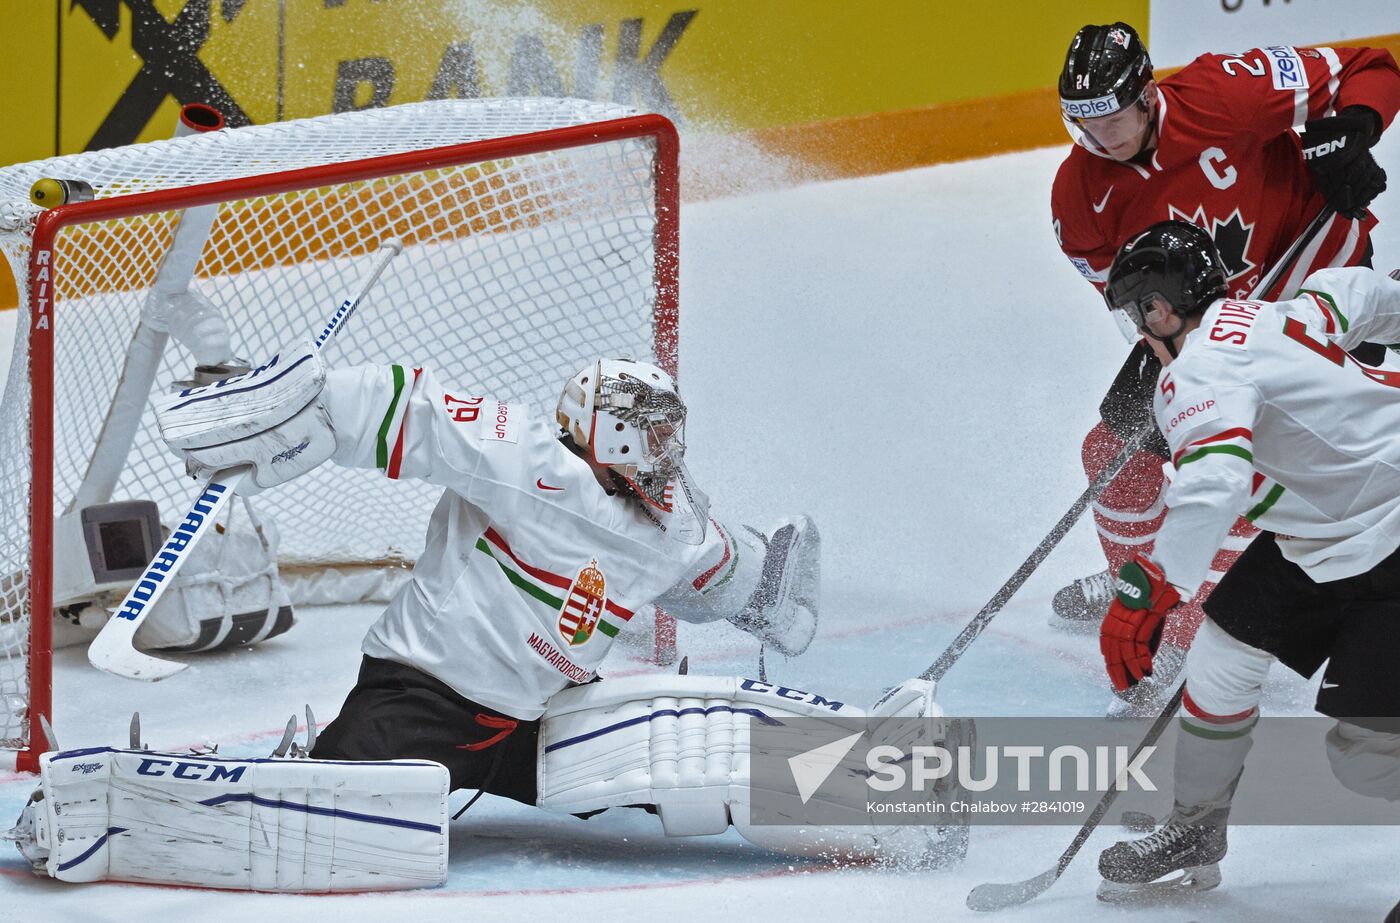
x: 1214, y: 144
x: 1265, y: 414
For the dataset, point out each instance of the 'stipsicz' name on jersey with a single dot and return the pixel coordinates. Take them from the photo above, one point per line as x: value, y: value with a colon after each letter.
x: 1233, y: 323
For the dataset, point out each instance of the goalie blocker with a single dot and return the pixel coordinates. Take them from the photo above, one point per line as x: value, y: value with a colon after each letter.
x: 677, y: 745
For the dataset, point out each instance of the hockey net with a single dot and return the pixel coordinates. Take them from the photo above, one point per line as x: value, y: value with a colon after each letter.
x: 538, y: 233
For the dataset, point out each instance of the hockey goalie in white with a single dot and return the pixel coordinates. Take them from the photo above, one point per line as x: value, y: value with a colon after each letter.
x: 545, y: 542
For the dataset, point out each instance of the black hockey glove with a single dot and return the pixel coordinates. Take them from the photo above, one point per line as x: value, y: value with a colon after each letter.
x: 1338, y: 152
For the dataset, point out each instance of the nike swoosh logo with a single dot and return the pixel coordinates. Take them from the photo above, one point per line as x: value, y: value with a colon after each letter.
x: 1103, y: 203
x: 1330, y: 685
x: 539, y: 482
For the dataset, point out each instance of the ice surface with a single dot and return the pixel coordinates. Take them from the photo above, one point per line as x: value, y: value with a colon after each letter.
x: 910, y: 359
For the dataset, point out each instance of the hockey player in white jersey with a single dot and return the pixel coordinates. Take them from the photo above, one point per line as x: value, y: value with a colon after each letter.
x: 549, y: 535
x: 1267, y: 416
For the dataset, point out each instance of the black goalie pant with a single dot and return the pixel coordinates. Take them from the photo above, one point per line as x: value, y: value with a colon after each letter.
x: 397, y: 712
x: 1270, y: 603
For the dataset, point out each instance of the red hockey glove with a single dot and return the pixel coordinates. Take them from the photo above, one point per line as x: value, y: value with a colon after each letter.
x: 1132, y: 629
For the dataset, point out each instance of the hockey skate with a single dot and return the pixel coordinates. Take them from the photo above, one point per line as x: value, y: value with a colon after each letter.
x: 1191, y: 842
x: 1081, y: 606
x: 1145, y: 700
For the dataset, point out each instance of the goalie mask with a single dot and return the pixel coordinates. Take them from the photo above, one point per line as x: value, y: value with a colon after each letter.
x: 628, y: 416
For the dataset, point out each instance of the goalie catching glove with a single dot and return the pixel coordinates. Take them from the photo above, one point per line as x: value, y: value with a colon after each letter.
x: 271, y: 419
x: 1132, y: 629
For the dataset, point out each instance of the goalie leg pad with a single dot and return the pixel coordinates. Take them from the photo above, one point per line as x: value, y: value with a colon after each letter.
x: 681, y: 743
x: 262, y: 825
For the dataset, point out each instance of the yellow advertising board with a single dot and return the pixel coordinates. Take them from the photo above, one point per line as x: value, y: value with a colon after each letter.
x: 839, y: 88
x: 106, y: 72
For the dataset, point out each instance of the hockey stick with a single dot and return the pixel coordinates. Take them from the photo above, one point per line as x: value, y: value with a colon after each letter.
x: 1058, y: 531
x: 112, y: 650
x: 950, y: 656
x: 995, y: 896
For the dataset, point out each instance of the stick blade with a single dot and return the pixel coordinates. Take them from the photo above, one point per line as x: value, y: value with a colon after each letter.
x: 994, y: 896
x: 111, y: 652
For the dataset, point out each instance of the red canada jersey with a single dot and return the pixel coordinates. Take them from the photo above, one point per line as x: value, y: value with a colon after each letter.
x: 1228, y: 159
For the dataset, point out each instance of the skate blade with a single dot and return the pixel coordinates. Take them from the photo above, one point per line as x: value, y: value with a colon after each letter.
x: 1190, y: 881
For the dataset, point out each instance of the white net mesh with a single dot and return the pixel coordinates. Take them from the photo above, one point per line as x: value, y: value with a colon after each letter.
x: 515, y: 271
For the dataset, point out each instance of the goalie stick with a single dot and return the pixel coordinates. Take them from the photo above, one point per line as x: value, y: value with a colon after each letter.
x: 113, y: 650
x: 939, y: 668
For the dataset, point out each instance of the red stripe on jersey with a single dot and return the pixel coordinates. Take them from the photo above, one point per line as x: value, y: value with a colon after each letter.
x: 1341, y: 243
x: 1238, y: 432
x: 1326, y: 312
x: 707, y: 576
x: 396, y: 457
x: 562, y: 583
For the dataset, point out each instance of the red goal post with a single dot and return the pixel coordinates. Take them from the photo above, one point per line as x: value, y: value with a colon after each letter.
x: 538, y: 233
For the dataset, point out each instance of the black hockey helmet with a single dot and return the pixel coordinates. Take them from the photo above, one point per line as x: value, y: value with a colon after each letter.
x: 1175, y: 260
x: 1106, y: 70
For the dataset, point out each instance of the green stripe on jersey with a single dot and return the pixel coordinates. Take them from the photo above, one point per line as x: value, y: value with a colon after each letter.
x: 1226, y: 449
x: 520, y: 582
x: 1262, y: 506
x: 381, y: 446
x: 1341, y: 318
x: 729, y: 574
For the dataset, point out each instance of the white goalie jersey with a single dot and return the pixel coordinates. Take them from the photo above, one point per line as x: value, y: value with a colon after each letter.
x: 1268, y: 417
x: 531, y: 568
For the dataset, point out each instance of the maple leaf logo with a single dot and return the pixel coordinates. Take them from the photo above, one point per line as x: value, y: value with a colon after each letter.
x: 1232, y: 236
